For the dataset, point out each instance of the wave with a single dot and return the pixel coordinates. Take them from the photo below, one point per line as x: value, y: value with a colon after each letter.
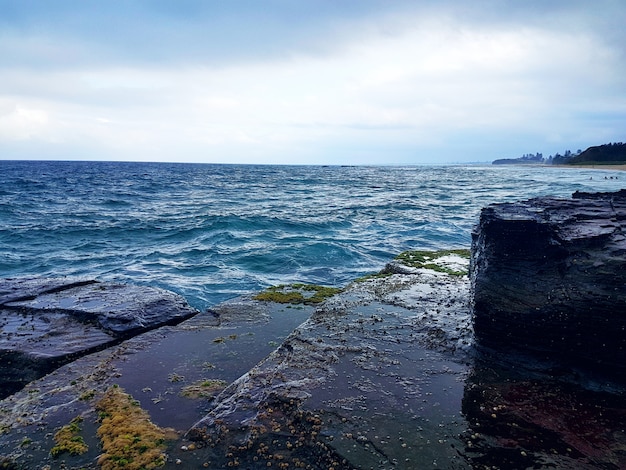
x: 211, y: 232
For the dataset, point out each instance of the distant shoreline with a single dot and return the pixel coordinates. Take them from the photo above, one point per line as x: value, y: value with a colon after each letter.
x: 621, y: 167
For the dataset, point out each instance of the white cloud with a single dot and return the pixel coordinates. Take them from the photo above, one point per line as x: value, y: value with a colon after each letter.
x: 19, y: 122
x: 395, y: 84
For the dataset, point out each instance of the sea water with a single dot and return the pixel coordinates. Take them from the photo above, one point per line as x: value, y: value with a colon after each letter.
x: 212, y: 232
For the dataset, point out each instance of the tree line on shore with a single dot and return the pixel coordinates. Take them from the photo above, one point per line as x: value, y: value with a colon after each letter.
x: 606, y: 154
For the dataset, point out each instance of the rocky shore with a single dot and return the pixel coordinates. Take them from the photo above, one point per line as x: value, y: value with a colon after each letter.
x: 418, y: 366
x: 548, y: 280
x: 49, y: 322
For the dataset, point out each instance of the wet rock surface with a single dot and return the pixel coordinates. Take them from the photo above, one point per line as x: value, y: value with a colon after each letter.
x: 383, y: 375
x: 548, y: 279
x: 519, y: 421
x: 373, y: 379
x: 48, y: 322
x: 158, y: 368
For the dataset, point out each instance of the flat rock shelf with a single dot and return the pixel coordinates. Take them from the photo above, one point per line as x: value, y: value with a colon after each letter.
x: 46, y: 323
x: 383, y: 374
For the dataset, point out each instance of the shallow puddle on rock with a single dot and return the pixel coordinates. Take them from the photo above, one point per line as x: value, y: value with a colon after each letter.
x: 197, y: 350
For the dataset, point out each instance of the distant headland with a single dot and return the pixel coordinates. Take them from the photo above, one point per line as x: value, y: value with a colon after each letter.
x: 607, y: 154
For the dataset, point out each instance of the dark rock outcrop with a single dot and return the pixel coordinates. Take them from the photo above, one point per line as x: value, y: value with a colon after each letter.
x: 48, y: 322
x: 549, y: 278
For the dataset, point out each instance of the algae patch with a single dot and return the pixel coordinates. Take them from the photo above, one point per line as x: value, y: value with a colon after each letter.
x: 129, y: 439
x: 206, y: 388
x: 452, y: 262
x: 68, y: 439
x: 308, y: 294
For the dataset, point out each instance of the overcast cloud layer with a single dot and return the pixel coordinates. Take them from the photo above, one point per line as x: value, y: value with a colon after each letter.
x: 309, y: 81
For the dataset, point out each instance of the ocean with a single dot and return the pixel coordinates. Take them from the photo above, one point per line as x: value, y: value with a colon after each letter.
x: 212, y: 232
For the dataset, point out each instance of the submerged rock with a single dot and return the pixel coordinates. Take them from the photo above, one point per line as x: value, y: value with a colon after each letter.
x: 48, y: 322
x: 548, y: 279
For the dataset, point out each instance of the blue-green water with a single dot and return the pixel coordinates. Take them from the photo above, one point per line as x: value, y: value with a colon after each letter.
x: 211, y: 232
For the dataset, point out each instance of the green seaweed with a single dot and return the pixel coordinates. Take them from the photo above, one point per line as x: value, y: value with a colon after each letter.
x: 129, y: 439
x: 425, y: 259
x: 174, y: 377
x: 25, y: 442
x: 307, y: 294
x: 205, y: 388
x: 88, y: 395
x: 68, y: 439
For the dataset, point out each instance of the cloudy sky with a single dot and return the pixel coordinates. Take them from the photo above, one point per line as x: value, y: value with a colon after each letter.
x: 309, y: 81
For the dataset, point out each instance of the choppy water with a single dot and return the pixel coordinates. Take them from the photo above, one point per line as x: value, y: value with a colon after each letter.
x: 211, y: 232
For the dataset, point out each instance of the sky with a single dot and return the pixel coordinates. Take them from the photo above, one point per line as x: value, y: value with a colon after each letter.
x: 309, y: 81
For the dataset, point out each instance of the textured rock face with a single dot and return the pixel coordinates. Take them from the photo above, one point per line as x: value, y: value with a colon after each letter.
x: 549, y: 278
x: 48, y: 322
x: 354, y: 385
x: 382, y: 375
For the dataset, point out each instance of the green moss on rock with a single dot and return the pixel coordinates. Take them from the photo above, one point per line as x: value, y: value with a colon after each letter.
x: 205, y: 388
x: 427, y: 260
x: 68, y: 439
x: 308, y: 294
x: 129, y: 439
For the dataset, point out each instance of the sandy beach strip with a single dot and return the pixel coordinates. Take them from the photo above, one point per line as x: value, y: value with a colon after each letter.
x: 595, y: 167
